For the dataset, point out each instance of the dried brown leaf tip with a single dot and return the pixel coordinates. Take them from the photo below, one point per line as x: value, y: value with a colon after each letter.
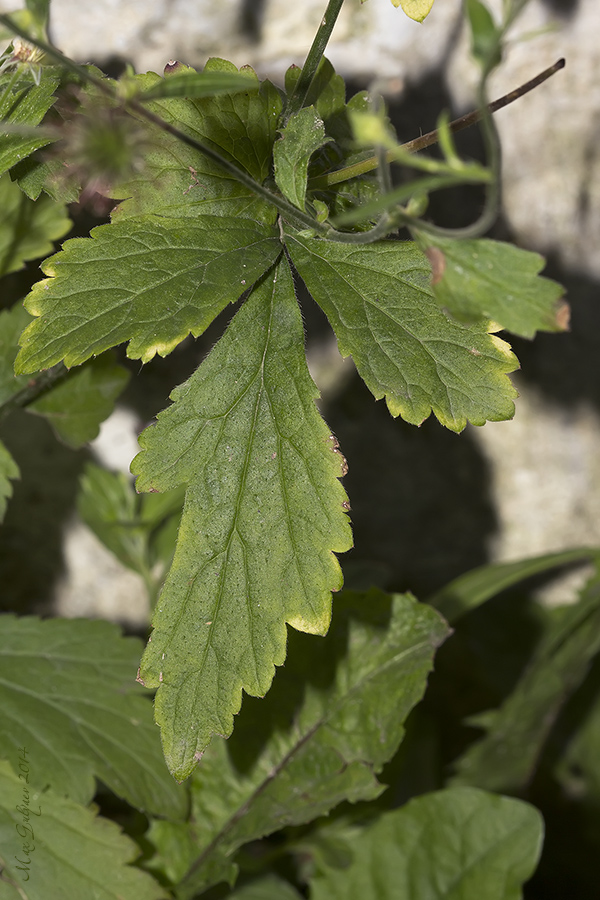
x: 335, y: 446
x: 438, y: 263
x: 563, y: 316
x: 172, y: 66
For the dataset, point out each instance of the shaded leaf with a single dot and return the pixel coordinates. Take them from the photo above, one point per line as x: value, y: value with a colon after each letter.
x: 77, y: 406
x: 68, y: 694
x: 470, y: 590
x: 493, y: 280
x: 333, y: 717
x: 300, y: 137
x: 12, y: 323
x: 458, y: 844
x: 201, y: 84
x: 71, y: 852
x: 268, y: 888
x: 379, y: 303
x: 177, y: 180
x: 9, y: 470
x: 506, y: 757
x: 25, y: 104
x: 150, y: 281
x: 264, y: 511
x: 27, y: 229
x: 485, y: 34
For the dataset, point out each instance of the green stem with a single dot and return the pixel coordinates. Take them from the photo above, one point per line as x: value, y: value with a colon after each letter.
x: 36, y: 388
x: 322, y: 182
x: 315, y: 55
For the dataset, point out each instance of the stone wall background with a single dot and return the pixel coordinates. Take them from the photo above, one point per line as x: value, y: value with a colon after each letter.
x: 506, y: 490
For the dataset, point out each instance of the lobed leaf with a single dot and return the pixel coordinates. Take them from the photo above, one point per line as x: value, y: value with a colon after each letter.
x: 264, y: 513
x: 380, y: 305
x: 27, y: 229
x: 457, y: 844
x: 53, y: 848
x: 493, y: 280
x: 9, y: 470
x: 506, y: 757
x: 333, y: 717
x: 68, y: 694
x: 149, y: 280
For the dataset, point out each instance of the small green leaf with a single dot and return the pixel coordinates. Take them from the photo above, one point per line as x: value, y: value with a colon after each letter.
x: 333, y: 717
x: 459, y: 844
x: 9, y: 470
x: 414, y: 9
x: 300, y: 137
x: 150, y: 281
x: 485, y: 34
x: 64, y: 849
x: 67, y: 688
x: 486, y: 279
x: 25, y: 104
x: 506, y: 757
x: 27, y: 229
x: 470, y: 590
x: 201, y: 84
x: 77, y: 406
x: 264, y: 513
x: 378, y: 300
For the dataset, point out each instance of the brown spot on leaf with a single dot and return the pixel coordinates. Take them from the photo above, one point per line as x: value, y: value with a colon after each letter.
x: 172, y: 66
x: 198, y: 755
x: 346, y: 505
x: 138, y: 678
x: 563, y: 316
x: 438, y: 263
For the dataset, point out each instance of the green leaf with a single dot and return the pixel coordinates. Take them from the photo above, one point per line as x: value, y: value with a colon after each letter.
x: 126, y: 523
x: 201, y: 84
x: 54, y: 849
x: 27, y: 229
x: 333, y: 717
x: 268, y: 888
x: 68, y: 693
x: 176, y: 180
x: 578, y: 769
x: 506, y: 757
x: 459, y: 844
x: 300, y: 137
x: 77, y: 406
x: 39, y: 10
x: 378, y: 300
x: 24, y: 105
x: 485, y: 35
x: 264, y: 513
x: 470, y: 590
x: 493, y: 280
x: 12, y: 323
x: 9, y: 470
x: 150, y: 281
x: 414, y: 9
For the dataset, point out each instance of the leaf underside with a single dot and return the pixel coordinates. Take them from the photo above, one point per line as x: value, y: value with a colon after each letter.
x: 264, y: 513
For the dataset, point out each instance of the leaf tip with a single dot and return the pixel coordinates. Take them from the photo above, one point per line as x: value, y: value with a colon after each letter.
x: 563, y: 316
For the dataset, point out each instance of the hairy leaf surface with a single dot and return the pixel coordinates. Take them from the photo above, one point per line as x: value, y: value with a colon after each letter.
x: 378, y: 300
x: 9, y: 470
x: 264, y: 512
x: 333, y: 717
x: 71, y: 852
x: 493, y: 280
x: 301, y: 136
x: 27, y: 229
x: 150, y: 281
x: 506, y: 757
x: 68, y: 693
x: 458, y: 844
